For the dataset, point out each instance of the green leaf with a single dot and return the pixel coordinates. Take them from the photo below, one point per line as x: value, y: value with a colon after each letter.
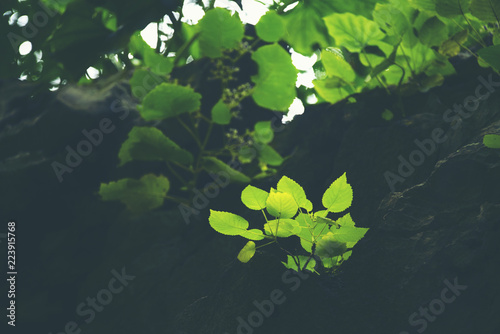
x: 352, y: 31
x: 275, y: 82
x: 391, y: 19
x: 348, y: 234
x: 324, y: 220
x: 433, y: 32
x: 486, y: 10
x: 451, y: 47
x: 214, y: 165
x: 281, y: 205
x: 287, y: 185
x: 338, y: 197
x: 157, y: 63
x: 285, y: 227
x: 268, y: 155
x: 247, y: 252
x: 336, y: 66
x: 142, y: 82
x: 169, y: 100
x: 219, y: 31
x: 332, y: 89
x: 138, y: 195
x: 230, y: 224
x: 302, y: 261
x: 271, y: 27
x: 221, y: 113
x: 328, y: 246
x: 424, y: 5
x: 491, y: 141
x: 149, y: 144
x: 254, y: 198
x: 387, y: 115
x: 263, y: 132
x: 306, y: 28
x: 491, y: 55
x: 452, y: 8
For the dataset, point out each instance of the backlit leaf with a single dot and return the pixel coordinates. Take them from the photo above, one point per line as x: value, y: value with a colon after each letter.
x: 338, y: 197
x: 247, y: 252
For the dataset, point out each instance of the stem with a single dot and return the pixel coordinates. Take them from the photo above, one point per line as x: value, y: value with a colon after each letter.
x: 189, y: 131
x: 176, y: 174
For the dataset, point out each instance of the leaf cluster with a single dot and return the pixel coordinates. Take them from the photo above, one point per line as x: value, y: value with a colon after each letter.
x: 288, y: 213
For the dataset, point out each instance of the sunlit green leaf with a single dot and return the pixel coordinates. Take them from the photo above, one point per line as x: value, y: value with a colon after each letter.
x: 336, y: 66
x: 281, y: 205
x: 338, y: 196
x: 275, y: 82
x: 287, y: 185
x: 230, y: 224
x: 219, y: 31
x: 285, y: 227
x: 271, y: 27
x: 254, y: 198
x: 352, y: 31
x: 247, y: 252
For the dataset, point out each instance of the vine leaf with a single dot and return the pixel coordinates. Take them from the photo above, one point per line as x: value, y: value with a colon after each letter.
x: 142, y: 82
x: 281, y: 205
x: 268, y: 155
x: 329, y: 246
x: 287, y: 185
x: 221, y: 113
x: 305, y: 28
x: 271, y: 27
x: 275, y: 82
x: 263, y: 132
x: 352, y: 31
x: 138, y: 195
x: 230, y: 224
x: 486, y: 10
x: 218, y: 31
x: 491, y: 141
x: 302, y: 260
x: 148, y: 144
x: 491, y: 56
x: 214, y: 165
x: 254, y: 198
x: 335, y: 65
x: 338, y: 197
x: 169, y: 100
x: 247, y: 252
x: 285, y: 227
